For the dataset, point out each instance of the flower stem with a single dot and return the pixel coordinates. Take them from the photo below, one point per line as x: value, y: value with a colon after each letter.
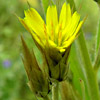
x: 97, y: 62
x: 55, y: 91
x: 98, y: 35
x: 97, y: 50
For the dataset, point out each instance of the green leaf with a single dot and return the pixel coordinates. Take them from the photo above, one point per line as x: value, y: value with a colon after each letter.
x: 98, y: 38
x: 76, y: 67
x: 89, y: 74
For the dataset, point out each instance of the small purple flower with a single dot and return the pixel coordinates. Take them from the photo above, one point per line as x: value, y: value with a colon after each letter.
x: 7, y: 63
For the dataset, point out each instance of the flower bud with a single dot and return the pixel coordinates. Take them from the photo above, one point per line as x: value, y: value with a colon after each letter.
x: 38, y: 81
x: 57, y: 63
x: 54, y: 38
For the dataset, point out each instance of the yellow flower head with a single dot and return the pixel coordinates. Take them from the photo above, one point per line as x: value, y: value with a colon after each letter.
x: 58, y: 33
x: 54, y: 38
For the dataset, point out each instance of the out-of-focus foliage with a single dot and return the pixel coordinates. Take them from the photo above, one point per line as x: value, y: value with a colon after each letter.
x: 13, y: 80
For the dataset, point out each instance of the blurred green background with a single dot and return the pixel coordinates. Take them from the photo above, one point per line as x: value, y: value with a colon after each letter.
x: 13, y: 80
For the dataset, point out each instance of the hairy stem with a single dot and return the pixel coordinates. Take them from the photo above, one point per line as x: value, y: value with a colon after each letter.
x: 97, y: 62
x: 55, y: 95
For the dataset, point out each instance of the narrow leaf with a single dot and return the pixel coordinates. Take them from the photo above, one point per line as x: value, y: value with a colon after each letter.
x: 98, y: 38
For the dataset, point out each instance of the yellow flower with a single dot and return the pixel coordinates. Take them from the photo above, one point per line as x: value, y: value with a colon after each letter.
x: 54, y: 38
x: 58, y: 33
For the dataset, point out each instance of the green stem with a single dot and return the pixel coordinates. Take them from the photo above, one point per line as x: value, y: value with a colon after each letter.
x: 90, y: 78
x: 97, y: 52
x: 97, y: 62
x: 46, y: 98
x: 98, y: 35
x: 55, y: 91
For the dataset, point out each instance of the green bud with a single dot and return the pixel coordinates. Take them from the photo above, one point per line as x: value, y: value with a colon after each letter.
x: 38, y: 80
x: 57, y: 63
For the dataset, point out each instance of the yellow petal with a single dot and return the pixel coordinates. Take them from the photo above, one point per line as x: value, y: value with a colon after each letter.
x: 37, y: 38
x: 62, y: 50
x: 35, y: 22
x: 24, y: 24
x: 73, y: 37
x: 65, y: 15
x: 72, y: 27
x: 51, y: 21
x: 64, y: 21
x: 80, y: 25
x: 52, y: 44
x: 75, y: 19
x: 68, y: 13
x: 69, y: 42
